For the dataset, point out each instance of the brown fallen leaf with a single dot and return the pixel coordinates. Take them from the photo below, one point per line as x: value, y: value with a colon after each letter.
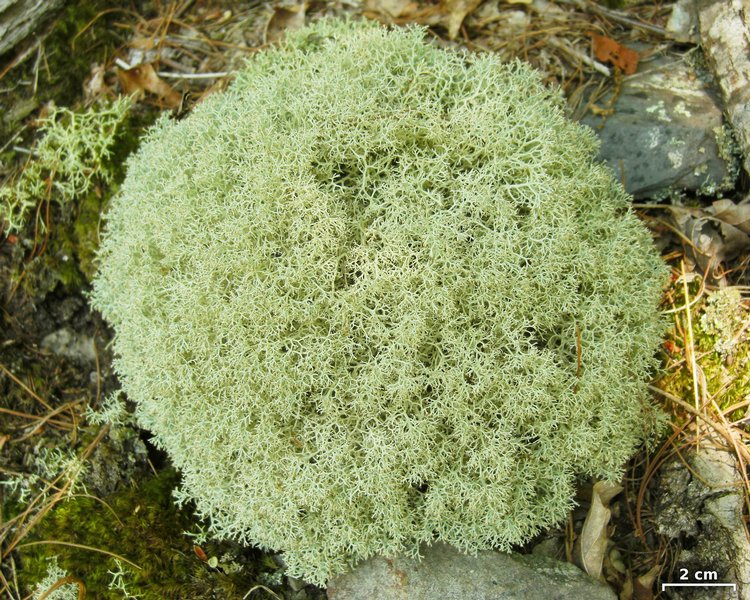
x: 455, y: 11
x: 643, y: 586
x: 142, y: 79
x: 95, y: 86
x: 591, y: 546
x: 448, y: 13
x: 608, y: 50
x: 392, y: 9
x: 737, y: 215
x: 717, y: 233
x: 142, y: 43
x: 283, y: 19
x: 626, y: 593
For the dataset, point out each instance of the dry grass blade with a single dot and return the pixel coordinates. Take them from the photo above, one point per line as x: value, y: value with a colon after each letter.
x: 21, y: 525
x: 689, y: 346
x: 81, y: 547
x: 724, y: 429
x: 25, y: 388
x: 261, y: 587
x: 47, y: 418
x: 65, y: 581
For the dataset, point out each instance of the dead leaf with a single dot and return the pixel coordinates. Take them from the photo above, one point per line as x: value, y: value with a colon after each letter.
x: 143, y: 78
x: 392, y: 9
x: 95, y: 87
x: 733, y: 214
x: 592, y: 544
x: 142, y: 43
x: 455, y: 11
x: 283, y: 19
x: 717, y: 233
x: 627, y: 590
x: 643, y: 586
x: 448, y: 13
x: 608, y: 50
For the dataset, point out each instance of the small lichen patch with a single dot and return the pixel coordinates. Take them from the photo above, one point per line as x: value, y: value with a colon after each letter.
x: 660, y: 110
x: 69, y: 158
x: 724, y: 317
x: 69, y: 591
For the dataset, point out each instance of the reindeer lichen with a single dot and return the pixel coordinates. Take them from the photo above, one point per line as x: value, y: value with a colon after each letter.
x: 376, y: 294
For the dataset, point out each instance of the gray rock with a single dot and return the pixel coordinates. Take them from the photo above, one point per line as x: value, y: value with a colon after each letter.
x: 699, y: 505
x: 20, y: 18
x: 667, y: 133
x: 446, y: 574
x: 119, y: 458
x: 683, y: 22
x: 70, y: 344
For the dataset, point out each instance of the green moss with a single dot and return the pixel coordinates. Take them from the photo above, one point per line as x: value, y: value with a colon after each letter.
x: 86, y: 234
x: 722, y: 350
x: 150, y: 535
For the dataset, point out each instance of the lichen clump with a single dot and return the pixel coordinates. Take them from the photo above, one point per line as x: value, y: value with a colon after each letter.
x: 71, y: 156
x: 379, y: 293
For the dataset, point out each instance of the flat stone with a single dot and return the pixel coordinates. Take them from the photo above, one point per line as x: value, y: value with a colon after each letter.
x: 70, y: 344
x: 444, y: 573
x: 667, y: 133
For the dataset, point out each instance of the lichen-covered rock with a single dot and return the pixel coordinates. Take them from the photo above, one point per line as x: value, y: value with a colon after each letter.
x: 699, y: 503
x: 377, y: 294
x: 667, y: 134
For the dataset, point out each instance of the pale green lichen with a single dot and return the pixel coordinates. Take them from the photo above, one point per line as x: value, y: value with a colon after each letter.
x: 112, y: 410
x: 121, y: 576
x: 55, y: 573
x: 377, y: 294
x: 729, y: 152
x: 69, y: 157
x: 724, y: 316
x: 47, y: 465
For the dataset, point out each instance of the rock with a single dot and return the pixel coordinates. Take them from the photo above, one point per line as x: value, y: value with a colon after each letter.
x: 19, y: 19
x: 683, y: 22
x: 699, y: 506
x: 446, y: 574
x: 72, y: 345
x: 119, y: 458
x: 667, y: 133
x: 725, y: 39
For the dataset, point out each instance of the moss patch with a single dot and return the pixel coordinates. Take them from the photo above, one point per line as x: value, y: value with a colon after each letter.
x: 150, y: 534
x: 722, y: 348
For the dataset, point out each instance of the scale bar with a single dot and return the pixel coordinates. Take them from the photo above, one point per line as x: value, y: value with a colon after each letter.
x: 666, y: 585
